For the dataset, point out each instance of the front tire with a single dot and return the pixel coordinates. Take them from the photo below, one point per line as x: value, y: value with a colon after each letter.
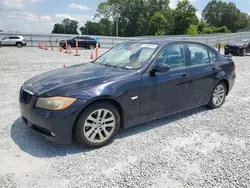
x: 97, y: 125
x: 218, y: 96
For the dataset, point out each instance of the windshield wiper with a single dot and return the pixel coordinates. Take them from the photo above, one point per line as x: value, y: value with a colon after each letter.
x: 107, y: 65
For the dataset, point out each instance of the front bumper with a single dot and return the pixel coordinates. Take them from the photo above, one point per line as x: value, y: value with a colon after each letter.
x: 55, y: 126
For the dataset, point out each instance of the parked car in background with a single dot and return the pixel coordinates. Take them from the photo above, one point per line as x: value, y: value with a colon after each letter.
x: 83, y: 42
x: 241, y: 47
x: 18, y: 41
x: 133, y: 83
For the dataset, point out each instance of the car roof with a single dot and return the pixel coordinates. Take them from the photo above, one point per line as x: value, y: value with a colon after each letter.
x: 164, y: 41
x: 15, y: 36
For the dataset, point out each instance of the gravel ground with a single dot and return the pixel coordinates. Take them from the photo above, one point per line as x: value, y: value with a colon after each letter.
x: 196, y: 148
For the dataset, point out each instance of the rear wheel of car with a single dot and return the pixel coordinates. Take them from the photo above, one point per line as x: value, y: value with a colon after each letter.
x: 19, y: 44
x: 244, y: 52
x: 218, y: 96
x: 97, y: 125
x: 92, y: 47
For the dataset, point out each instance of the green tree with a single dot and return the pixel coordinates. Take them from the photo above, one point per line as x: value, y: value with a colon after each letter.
x: 91, y: 28
x: 218, y: 13
x: 158, y: 24
x: 58, y: 28
x: 132, y: 14
x: 201, y: 26
x: 141, y: 25
x: 192, y: 30
x: 67, y: 26
x: 184, y: 15
x: 70, y: 26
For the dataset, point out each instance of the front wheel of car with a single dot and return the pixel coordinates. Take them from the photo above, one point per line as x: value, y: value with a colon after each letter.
x: 218, y: 96
x: 97, y: 125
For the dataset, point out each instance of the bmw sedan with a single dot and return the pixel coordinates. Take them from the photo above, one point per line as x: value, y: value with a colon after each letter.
x: 133, y: 83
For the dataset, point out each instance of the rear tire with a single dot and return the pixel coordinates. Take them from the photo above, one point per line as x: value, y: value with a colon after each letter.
x: 218, y: 96
x: 97, y: 125
x: 19, y: 44
x: 244, y: 52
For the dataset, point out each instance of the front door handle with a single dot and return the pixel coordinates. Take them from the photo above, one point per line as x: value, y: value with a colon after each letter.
x: 183, y: 74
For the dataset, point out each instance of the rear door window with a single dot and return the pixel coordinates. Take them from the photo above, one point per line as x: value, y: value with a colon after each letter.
x: 199, y: 54
x: 213, y: 56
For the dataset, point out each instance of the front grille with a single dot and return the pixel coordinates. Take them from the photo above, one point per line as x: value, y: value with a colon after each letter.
x: 25, y: 97
x: 41, y: 130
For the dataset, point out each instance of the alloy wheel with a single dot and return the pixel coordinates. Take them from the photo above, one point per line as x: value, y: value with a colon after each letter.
x: 219, y: 95
x: 99, y: 126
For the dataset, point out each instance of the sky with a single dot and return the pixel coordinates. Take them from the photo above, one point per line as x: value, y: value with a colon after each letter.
x: 41, y: 15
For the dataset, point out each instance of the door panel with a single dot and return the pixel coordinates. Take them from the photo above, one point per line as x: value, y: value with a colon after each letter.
x: 203, y: 71
x: 6, y: 41
x: 166, y: 91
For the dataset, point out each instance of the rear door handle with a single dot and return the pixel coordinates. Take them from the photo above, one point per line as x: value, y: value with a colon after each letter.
x: 215, y: 68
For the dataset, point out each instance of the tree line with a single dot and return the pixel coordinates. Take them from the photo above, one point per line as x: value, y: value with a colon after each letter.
x: 155, y: 17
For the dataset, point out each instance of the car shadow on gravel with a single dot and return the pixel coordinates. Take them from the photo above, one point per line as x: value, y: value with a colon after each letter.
x: 160, y: 122
x: 37, y: 146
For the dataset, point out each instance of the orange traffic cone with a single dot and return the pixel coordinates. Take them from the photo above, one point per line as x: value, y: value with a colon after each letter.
x: 70, y: 50
x: 77, y: 54
x: 66, y: 47
x: 41, y: 45
x: 92, y: 56
x: 96, y: 51
x: 52, y: 45
x: 46, y: 47
x: 60, y: 48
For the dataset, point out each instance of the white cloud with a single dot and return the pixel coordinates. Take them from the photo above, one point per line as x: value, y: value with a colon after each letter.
x: 36, y: 23
x: 34, y: 1
x: 63, y: 16
x: 198, y: 14
x: 80, y: 7
x: 13, y: 4
x: 17, y: 4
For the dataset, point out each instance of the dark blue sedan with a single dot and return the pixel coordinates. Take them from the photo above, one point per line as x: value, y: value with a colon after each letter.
x: 132, y: 83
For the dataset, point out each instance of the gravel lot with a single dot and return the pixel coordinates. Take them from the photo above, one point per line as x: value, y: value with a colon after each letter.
x: 196, y: 148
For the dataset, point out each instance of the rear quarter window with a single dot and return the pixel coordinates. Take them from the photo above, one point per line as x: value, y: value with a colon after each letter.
x: 213, y: 56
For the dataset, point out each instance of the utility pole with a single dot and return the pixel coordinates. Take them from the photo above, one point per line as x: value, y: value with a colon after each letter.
x: 117, y: 28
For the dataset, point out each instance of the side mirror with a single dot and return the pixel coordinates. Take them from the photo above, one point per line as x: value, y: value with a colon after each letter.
x: 160, y: 68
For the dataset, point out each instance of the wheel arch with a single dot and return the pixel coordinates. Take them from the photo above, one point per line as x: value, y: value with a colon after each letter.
x: 99, y: 100
x: 226, y: 82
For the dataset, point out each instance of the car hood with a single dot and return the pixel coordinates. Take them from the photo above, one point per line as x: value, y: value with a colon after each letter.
x: 72, y: 78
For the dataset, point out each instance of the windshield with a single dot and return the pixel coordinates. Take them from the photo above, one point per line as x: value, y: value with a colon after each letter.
x: 127, y: 55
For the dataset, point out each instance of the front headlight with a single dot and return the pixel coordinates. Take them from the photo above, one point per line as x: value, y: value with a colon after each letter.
x: 54, y: 103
